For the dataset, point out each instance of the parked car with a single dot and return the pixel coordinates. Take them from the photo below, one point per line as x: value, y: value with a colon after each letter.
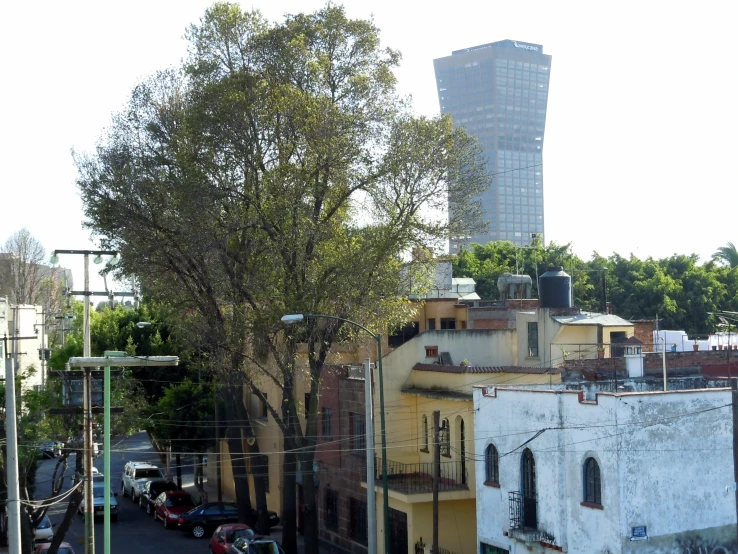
x: 256, y: 544
x: 44, y: 531
x: 204, y: 519
x: 98, y: 494
x: 135, y: 475
x: 151, y: 491
x: 49, y: 449
x: 224, y: 536
x: 64, y: 548
x: 170, y: 504
x: 273, y: 519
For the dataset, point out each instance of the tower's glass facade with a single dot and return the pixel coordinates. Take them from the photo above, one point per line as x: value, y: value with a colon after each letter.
x: 499, y: 93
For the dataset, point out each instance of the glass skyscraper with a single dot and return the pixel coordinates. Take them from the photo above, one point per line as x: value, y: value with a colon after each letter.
x: 499, y: 93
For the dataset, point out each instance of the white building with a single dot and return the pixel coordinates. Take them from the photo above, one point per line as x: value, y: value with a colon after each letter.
x: 24, y: 321
x: 622, y: 473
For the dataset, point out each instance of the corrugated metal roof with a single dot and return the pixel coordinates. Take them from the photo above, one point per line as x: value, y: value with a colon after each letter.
x: 588, y: 318
x: 485, y: 369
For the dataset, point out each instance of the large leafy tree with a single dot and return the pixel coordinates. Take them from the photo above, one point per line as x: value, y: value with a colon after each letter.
x: 278, y: 172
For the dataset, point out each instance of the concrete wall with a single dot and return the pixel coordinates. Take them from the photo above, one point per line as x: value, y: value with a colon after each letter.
x: 665, y: 459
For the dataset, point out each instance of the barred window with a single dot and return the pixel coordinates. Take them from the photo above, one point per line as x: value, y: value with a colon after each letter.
x: 358, y: 432
x: 492, y: 465
x: 533, y: 339
x: 358, y: 521
x: 424, y: 446
x: 331, y: 509
x: 592, y: 482
x: 327, y: 423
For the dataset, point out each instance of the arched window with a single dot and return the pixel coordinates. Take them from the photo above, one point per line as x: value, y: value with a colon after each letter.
x: 424, y: 446
x: 492, y: 465
x: 592, y: 483
x: 445, y: 436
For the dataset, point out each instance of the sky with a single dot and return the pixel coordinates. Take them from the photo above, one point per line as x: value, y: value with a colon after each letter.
x: 641, y: 122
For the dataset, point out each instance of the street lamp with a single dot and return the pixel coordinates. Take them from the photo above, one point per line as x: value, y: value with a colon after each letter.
x: 295, y: 318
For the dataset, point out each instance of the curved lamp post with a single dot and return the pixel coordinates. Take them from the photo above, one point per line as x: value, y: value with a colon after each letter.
x: 295, y: 318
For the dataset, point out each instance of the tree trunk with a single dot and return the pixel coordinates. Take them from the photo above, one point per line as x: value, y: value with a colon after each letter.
x: 310, y: 510
x: 238, y: 460
x: 260, y: 468
x: 289, y: 500
x: 257, y: 461
x: 179, y: 471
x: 74, y: 501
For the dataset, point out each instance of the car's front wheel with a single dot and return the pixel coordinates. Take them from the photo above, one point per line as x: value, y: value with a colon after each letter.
x: 198, y: 531
x: 122, y: 489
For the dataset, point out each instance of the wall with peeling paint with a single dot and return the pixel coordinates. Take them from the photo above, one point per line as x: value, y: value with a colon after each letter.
x: 665, y: 461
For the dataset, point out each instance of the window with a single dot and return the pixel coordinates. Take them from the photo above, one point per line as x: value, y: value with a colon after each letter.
x: 492, y: 466
x: 431, y: 351
x: 489, y: 549
x: 331, y: 509
x: 358, y: 432
x: 592, y: 483
x: 327, y: 427
x: 424, y: 446
x: 357, y: 521
x: 445, y: 438
x: 533, y: 339
x: 448, y: 323
x: 431, y: 324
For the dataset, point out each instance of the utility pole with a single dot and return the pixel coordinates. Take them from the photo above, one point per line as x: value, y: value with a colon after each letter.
x: 436, y: 475
x: 218, y: 478
x: 371, y: 491
x: 11, y: 464
x: 13, y: 503
x: 88, y: 448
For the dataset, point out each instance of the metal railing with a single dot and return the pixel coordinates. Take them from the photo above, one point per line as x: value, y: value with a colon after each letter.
x: 418, y: 478
x: 523, y: 511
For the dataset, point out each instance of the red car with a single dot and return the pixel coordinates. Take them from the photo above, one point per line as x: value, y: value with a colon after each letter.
x: 224, y: 536
x: 170, y: 504
x: 64, y: 548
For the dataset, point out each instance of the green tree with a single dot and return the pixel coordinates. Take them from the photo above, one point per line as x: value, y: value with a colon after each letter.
x: 727, y: 255
x: 279, y: 172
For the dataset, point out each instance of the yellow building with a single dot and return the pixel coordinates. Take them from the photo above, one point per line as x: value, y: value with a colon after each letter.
x: 415, y: 387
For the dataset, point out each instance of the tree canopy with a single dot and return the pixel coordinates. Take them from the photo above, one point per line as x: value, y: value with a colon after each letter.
x: 277, y: 171
x: 677, y: 289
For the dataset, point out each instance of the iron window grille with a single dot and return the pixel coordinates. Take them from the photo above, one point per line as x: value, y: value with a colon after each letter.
x: 492, y: 465
x: 331, y: 509
x: 358, y: 521
x: 592, y: 482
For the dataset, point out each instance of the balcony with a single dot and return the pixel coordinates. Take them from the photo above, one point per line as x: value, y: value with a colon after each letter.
x: 418, y: 478
x: 524, y: 521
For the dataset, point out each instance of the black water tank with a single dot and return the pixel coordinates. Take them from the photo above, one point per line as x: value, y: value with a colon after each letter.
x: 554, y: 288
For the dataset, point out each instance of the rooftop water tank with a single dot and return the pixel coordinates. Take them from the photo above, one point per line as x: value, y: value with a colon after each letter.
x: 554, y: 288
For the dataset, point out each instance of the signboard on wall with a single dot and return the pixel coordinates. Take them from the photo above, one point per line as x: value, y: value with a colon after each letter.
x: 638, y: 533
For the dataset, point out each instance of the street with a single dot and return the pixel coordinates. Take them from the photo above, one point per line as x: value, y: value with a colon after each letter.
x: 134, y: 532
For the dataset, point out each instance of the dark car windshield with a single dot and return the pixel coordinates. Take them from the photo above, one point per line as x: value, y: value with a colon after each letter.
x: 180, y: 501
x: 147, y: 473
x: 236, y: 533
x: 99, y: 492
